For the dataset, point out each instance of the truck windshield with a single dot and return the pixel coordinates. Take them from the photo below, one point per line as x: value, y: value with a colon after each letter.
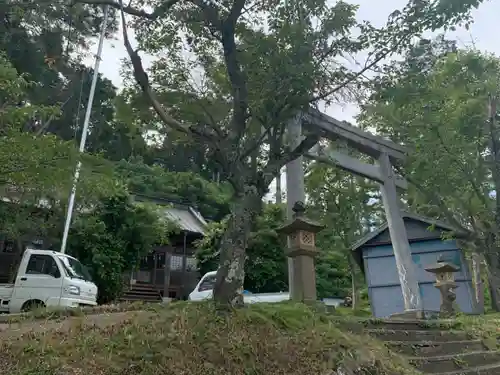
x: 74, y: 268
x: 208, y: 283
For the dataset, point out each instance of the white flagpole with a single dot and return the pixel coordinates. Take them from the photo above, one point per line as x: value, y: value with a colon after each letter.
x: 71, y: 202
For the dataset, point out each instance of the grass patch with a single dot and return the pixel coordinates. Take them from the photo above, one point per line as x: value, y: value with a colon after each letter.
x: 481, y: 326
x: 60, y: 313
x: 194, y: 339
x: 348, y: 311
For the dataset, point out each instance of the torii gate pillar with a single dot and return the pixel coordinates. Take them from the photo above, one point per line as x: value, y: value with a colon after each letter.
x: 401, y: 247
x: 295, y: 190
x: 383, y: 174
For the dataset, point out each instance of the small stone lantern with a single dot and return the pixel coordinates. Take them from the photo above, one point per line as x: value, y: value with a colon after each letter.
x: 302, y: 249
x: 445, y: 282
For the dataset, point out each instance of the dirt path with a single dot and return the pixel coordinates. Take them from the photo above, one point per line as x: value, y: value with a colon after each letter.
x: 13, y: 330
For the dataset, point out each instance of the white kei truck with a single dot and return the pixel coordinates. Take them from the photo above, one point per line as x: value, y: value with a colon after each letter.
x: 204, y: 291
x: 47, y: 278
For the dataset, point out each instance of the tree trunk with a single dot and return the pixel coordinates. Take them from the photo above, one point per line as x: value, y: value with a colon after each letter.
x: 492, y: 260
x: 228, y: 289
x: 494, y: 288
x: 354, y: 282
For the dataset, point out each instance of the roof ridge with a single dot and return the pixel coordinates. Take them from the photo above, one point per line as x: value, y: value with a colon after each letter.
x: 404, y: 214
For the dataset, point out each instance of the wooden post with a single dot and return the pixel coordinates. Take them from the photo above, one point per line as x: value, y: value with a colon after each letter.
x: 400, y: 244
x: 184, y: 266
x: 152, y: 278
x: 166, y: 274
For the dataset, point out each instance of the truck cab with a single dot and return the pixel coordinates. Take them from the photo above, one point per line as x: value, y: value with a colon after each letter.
x: 204, y: 288
x: 47, y: 278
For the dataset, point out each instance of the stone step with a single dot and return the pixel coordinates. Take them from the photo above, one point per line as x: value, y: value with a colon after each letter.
x: 417, y: 335
x: 140, y: 297
x: 493, y: 369
x: 429, y: 348
x: 145, y: 292
x: 143, y: 295
x: 399, y: 324
x: 143, y: 287
x: 455, y: 362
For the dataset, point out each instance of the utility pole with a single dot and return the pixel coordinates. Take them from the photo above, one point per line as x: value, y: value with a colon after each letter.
x: 71, y: 201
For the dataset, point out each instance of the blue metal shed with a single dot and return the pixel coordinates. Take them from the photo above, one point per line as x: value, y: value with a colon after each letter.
x: 375, y: 256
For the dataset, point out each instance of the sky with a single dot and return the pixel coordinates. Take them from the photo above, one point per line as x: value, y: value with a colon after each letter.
x: 482, y: 35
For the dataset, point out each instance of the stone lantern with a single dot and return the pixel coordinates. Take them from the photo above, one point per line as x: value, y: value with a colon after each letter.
x: 445, y: 282
x: 302, y: 249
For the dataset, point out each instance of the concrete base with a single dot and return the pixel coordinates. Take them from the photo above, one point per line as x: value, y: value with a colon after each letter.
x: 415, y: 315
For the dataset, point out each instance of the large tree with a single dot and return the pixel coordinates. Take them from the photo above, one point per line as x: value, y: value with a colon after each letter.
x: 436, y: 102
x: 265, y: 266
x: 250, y: 66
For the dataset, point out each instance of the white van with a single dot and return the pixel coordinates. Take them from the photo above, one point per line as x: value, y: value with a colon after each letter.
x: 204, y: 291
x: 47, y: 278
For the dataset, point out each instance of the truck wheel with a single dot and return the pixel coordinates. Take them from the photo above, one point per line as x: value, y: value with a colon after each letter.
x: 32, y: 305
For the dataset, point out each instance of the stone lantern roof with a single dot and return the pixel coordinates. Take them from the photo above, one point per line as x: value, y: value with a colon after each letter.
x: 300, y: 222
x: 442, y: 266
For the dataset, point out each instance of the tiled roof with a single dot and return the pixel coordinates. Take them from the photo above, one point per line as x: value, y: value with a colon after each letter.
x: 188, y: 219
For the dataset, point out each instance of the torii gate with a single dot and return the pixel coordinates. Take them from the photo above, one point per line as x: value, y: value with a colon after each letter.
x: 382, y: 150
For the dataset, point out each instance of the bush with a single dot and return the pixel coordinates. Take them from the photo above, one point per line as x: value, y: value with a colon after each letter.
x: 112, y: 239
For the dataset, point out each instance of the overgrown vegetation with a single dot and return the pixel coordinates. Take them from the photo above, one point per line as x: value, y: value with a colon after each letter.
x: 266, y: 264
x: 194, y: 339
x: 442, y: 102
x: 222, y: 142
x: 113, y: 237
x: 486, y: 326
x: 47, y: 314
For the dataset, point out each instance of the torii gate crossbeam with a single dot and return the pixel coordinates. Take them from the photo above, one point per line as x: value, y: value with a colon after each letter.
x: 386, y: 153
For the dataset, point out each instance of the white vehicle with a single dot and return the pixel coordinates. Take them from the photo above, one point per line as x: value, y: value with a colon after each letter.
x: 204, y: 291
x: 48, y: 278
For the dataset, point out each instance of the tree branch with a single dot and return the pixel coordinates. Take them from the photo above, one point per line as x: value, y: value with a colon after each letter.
x: 239, y: 89
x: 252, y: 146
x: 130, y: 10
x: 235, y: 12
x: 438, y: 201
x: 143, y: 81
x: 46, y: 124
x: 367, y: 67
x: 273, y: 165
x: 480, y: 195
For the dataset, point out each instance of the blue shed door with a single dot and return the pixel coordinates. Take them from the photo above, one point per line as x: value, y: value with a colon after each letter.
x: 386, y: 301
x: 383, y: 280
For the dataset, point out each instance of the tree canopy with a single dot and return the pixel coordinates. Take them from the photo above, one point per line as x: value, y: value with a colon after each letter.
x: 227, y: 80
x: 436, y: 102
x: 256, y: 64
